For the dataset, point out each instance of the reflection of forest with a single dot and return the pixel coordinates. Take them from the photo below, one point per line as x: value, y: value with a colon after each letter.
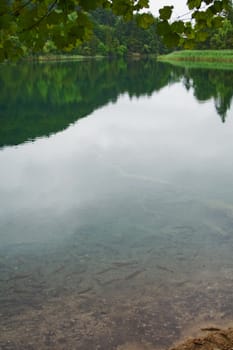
x: 37, y: 100
x: 209, y: 84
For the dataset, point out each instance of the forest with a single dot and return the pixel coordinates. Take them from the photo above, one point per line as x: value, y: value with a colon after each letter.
x: 114, y: 37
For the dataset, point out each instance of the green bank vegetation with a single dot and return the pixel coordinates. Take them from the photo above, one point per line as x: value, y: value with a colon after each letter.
x: 212, y: 56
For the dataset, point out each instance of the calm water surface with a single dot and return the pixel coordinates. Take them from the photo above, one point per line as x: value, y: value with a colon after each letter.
x: 116, y: 204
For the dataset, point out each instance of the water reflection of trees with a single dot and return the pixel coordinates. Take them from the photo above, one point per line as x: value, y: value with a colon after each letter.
x: 40, y: 99
x: 208, y: 84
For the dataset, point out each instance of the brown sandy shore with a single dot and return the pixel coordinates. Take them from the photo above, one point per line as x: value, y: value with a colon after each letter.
x: 216, y: 339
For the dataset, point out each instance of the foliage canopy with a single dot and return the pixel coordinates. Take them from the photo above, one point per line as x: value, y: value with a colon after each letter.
x: 204, y: 17
x: 26, y: 25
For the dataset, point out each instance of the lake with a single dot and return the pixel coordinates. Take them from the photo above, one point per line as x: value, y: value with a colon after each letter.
x: 116, y: 204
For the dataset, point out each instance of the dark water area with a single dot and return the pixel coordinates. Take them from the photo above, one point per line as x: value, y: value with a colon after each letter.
x: 116, y: 204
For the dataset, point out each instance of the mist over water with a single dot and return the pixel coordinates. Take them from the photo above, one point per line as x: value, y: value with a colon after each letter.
x: 116, y: 204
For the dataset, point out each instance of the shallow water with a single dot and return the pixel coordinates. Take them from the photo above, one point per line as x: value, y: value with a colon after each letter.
x: 117, y: 228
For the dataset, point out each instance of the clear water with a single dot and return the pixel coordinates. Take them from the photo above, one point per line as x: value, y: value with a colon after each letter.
x: 116, y: 204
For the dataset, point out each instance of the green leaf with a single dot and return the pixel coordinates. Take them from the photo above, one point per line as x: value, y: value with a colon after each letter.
x: 122, y: 7
x: 178, y: 27
x: 163, y: 28
x: 145, y: 20
x: 200, y: 15
x: 165, y: 12
x: 72, y: 16
x: 192, y: 4
x: 141, y: 4
x: 172, y: 39
x: 189, y: 44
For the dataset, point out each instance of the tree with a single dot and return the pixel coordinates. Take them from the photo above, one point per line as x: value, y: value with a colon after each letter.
x: 205, y: 15
x: 26, y: 25
x: 223, y: 37
x: 117, y: 38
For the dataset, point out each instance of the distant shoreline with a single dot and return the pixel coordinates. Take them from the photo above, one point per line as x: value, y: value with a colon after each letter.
x: 50, y: 58
x: 63, y: 57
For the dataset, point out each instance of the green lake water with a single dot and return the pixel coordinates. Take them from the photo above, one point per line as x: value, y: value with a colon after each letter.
x: 116, y: 204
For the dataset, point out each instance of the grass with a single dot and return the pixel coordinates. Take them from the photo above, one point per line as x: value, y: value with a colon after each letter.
x: 225, y: 56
